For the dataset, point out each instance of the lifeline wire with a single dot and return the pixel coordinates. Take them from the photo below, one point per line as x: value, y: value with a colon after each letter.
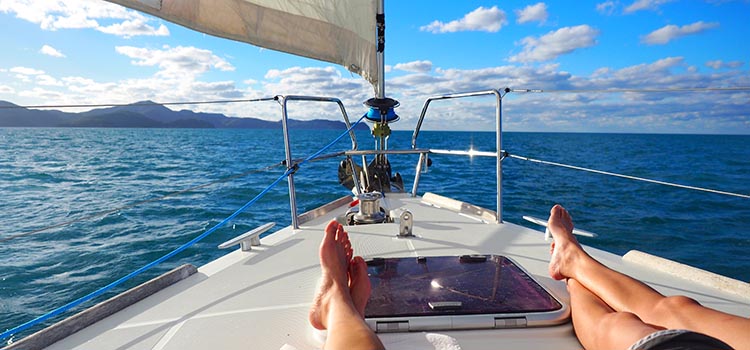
x: 716, y: 89
x: 630, y: 177
x: 116, y: 283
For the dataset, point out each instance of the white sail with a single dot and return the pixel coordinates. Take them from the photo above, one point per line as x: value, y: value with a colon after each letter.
x: 342, y: 32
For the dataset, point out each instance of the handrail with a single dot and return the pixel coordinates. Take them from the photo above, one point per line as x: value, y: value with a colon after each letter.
x: 283, y: 99
x: 451, y: 96
x: 386, y: 151
x: 498, y: 138
x: 291, y: 166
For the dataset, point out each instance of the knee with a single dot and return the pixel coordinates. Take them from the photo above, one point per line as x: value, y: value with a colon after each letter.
x: 675, y: 307
x: 615, y: 328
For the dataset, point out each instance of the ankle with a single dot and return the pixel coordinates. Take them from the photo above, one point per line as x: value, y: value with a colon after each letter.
x: 573, y: 259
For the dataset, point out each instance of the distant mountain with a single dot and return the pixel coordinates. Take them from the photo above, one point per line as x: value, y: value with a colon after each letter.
x: 12, y: 115
x: 146, y: 114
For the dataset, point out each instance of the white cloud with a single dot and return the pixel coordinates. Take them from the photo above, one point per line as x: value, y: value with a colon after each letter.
x: 719, y: 64
x: 481, y: 19
x: 177, y: 62
x: 26, y: 71
x: 670, y: 32
x: 316, y: 81
x: 321, y: 82
x: 639, y: 5
x: 51, y: 51
x: 57, y: 14
x: 4, y: 89
x: 40, y: 94
x: 222, y: 89
x: 130, y: 28
x: 553, y: 44
x: 414, y: 66
x: 631, y: 77
x: 577, y: 110
x: 533, y: 13
x: 607, y: 7
x: 47, y: 80
x: 580, y: 110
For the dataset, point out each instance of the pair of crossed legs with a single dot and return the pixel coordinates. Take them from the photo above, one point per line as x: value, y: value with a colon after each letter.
x: 610, y: 310
x: 613, y: 311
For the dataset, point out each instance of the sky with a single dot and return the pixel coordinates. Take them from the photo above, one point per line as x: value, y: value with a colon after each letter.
x: 95, y: 52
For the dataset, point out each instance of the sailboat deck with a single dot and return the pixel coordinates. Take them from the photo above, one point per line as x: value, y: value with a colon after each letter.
x: 260, y: 299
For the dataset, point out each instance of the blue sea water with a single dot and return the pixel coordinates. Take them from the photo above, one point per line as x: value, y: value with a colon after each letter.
x: 106, y: 189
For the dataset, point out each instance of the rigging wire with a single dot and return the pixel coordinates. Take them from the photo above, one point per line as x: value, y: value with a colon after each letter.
x: 139, y: 104
x: 708, y: 89
x: 290, y: 170
x: 629, y: 177
x: 138, y: 203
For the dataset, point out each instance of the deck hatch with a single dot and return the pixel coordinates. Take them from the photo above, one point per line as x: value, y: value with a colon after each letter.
x: 455, y: 292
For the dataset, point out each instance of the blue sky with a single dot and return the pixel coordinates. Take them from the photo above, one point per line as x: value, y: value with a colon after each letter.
x: 72, y: 52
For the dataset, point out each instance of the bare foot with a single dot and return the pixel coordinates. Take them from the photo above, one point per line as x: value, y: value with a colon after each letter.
x: 359, y: 284
x: 335, y: 257
x: 343, y: 237
x: 565, y: 248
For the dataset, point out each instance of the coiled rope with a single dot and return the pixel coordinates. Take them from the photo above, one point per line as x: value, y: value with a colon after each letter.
x: 291, y: 168
x: 627, y: 176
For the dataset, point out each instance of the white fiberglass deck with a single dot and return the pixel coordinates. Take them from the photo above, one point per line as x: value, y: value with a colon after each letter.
x: 260, y: 299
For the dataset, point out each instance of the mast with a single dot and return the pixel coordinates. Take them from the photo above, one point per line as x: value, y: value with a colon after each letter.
x: 380, y: 53
x: 381, y: 112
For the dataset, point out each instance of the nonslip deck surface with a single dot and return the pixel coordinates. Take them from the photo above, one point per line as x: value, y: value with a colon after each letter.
x: 260, y: 299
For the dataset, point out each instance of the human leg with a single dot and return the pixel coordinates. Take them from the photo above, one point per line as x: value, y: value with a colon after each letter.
x: 334, y: 307
x: 597, y: 326
x: 569, y: 260
x: 625, y: 294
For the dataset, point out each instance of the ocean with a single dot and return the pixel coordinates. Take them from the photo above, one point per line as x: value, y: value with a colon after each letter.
x: 81, y: 208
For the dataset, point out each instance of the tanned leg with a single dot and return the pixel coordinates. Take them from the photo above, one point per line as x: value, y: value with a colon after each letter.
x: 598, y: 326
x: 333, y: 308
x: 625, y: 294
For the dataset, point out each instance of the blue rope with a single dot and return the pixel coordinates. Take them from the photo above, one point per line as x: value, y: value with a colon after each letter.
x: 332, y: 142
x: 116, y: 283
